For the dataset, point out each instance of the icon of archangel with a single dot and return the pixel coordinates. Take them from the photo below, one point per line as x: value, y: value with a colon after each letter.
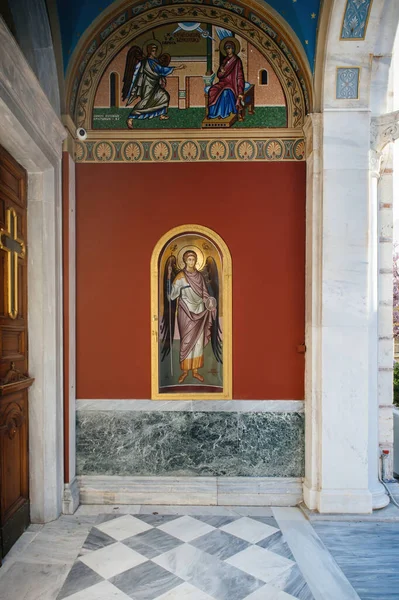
x: 145, y: 76
x: 191, y: 299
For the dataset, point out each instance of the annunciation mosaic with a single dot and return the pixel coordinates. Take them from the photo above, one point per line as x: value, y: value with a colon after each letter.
x: 198, y: 81
x: 189, y: 75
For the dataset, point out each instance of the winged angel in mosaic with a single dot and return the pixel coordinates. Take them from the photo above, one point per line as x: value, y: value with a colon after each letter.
x: 194, y: 295
x: 145, y: 76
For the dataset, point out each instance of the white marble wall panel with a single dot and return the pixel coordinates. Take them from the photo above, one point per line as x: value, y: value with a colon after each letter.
x: 245, y: 406
x: 207, y: 491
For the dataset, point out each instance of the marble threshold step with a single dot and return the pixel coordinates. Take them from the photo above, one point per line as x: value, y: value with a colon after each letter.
x: 210, y: 491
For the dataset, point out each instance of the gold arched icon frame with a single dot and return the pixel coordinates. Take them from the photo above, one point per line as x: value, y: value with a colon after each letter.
x: 226, y: 279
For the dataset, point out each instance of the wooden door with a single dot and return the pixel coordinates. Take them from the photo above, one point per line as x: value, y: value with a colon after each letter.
x: 14, y: 382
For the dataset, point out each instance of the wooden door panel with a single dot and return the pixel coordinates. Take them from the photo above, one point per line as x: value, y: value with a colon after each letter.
x: 14, y: 474
x: 13, y: 442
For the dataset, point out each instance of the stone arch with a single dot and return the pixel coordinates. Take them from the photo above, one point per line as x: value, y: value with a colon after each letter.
x: 261, y: 29
x: 344, y: 144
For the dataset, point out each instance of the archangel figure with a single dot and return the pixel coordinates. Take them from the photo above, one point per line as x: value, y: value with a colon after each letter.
x: 145, y: 76
x: 195, y: 296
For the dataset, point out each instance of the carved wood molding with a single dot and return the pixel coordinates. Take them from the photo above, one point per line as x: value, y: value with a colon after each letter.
x: 12, y: 419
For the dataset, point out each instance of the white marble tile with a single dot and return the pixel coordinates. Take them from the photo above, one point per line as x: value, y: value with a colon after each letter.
x: 189, y: 510
x: 186, y: 528
x: 26, y: 581
x: 268, y: 592
x: 185, y: 591
x: 98, y: 509
x: 182, y: 561
x: 260, y: 563
x: 101, y: 591
x: 112, y: 560
x: 322, y: 574
x: 124, y: 527
x: 249, y: 530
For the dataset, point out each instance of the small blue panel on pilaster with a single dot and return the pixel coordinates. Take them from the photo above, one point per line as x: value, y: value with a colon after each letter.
x: 347, y: 83
x: 355, y: 19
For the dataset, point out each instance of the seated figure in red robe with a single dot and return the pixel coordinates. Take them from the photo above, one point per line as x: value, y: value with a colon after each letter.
x: 224, y: 97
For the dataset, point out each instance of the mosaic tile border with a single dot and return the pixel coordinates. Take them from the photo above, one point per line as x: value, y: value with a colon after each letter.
x: 211, y: 150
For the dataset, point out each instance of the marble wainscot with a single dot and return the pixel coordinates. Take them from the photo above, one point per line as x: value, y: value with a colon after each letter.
x: 238, y: 453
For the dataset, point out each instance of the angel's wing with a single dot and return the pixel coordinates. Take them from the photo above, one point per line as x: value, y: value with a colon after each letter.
x: 211, y: 275
x: 134, y: 56
x: 167, y: 328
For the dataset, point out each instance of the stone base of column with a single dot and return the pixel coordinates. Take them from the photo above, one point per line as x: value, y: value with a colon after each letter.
x: 70, y: 501
x: 350, y: 501
x: 380, y: 498
x: 310, y: 496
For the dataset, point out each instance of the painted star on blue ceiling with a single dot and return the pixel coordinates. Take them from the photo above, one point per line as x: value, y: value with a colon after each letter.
x: 77, y: 15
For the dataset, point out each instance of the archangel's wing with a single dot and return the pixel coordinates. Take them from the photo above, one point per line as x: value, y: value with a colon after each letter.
x: 164, y: 59
x: 168, y: 310
x: 211, y: 276
x: 134, y: 56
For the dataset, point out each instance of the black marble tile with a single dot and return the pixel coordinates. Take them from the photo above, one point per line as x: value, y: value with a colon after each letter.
x: 292, y: 582
x: 146, y: 582
x: 152, y: 543
x: 79, y: 578
x: 95, y: 540
x: 223, y: 581
x: 220, y: 544
x: 275, y: 543
x: 267, y: 521
x: 215, y: 520
x: 104, y: 518
x: 157, y: 520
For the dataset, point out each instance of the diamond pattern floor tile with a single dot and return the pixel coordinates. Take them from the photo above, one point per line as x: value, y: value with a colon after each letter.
x: 175, y: 557
x: 112, y: 560
x: 146, y: 582
x: 220, y: 544
x: 260, y: 563
x: 152, y: 543
x: 101, y: 591
x: 249, y: 530
x: 186, y: 528
x: 124, y: 527
x: 185, y: 591
x: 79, y: 578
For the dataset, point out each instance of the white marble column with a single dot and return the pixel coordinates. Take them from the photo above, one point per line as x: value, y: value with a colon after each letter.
x: 338, y: 333
x: 385, y: 310
x: 379, y: 496
x: 313, y: 133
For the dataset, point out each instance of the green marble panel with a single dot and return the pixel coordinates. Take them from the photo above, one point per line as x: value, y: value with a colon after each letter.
x: 190, y: 443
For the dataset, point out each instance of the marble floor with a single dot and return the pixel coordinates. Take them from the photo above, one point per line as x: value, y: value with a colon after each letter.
x: 201, y: 553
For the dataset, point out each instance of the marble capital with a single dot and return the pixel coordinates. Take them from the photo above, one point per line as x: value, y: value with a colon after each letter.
x: 383, y: 130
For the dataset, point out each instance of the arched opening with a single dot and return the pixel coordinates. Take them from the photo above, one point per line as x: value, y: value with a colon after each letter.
x: 114, y: 90
x: 263, y: 77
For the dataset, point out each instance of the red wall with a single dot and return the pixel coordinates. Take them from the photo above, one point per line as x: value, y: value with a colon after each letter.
x: 122, y: 211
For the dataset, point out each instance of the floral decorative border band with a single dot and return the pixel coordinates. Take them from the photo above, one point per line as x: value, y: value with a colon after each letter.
x: 186, y: 150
